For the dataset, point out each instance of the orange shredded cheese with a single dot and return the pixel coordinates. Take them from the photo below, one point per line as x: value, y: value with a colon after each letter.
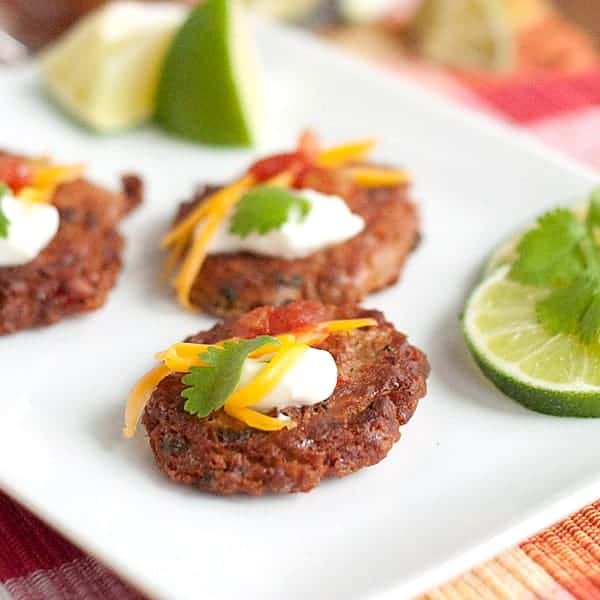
x: 213, y: 212
x: 32, y: 194
x: 53, y: 175
x: 340, y: 155
x: 139, y: 397
x: 268, y: 378
x: 346, y: 324
x: 375, y: 177
x: 257, y: 420
x: 46, y: 178
x: 185, y: 228
x: 181, y: 357
x: 193, y: 261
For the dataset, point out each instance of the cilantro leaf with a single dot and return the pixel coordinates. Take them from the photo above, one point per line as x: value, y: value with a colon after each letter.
x: 266, y: 208
x: 4, y: 222
x: 564, y: 309
x: 211, y: 385
x: 550, y: 254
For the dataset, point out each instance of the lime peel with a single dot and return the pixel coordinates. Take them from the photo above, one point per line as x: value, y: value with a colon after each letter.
x: 210, y: 84
x: 533, y: 379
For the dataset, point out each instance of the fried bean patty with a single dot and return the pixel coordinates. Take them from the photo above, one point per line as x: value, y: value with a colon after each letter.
x: 75, y: 272
x: 231, y: 284
x: 381, y: 379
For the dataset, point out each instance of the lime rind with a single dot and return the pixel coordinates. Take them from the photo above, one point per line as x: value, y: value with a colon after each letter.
x: 209, y: 90
x: 555, y: 375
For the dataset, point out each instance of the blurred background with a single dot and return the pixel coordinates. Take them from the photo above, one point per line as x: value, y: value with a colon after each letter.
x: 525, y: 61
x: 527, y: 36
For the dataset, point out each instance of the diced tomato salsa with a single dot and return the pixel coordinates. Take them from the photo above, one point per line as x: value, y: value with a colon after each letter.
x: 14, y: 172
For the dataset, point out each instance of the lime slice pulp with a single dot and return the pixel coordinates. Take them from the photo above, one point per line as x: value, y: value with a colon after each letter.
x: 556, y: 375
x: 209, y: 89
x: 104, y: 71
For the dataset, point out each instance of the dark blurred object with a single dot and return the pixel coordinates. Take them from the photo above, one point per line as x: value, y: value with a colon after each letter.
x: 585, y: 13
x: 36, y: 22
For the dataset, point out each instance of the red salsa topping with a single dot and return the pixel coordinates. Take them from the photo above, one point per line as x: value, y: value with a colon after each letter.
x: 15, y: 173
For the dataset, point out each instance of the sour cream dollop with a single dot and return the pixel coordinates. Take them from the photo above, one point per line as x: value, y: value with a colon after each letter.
x: 311, y: 380
x: 328, y: 222
x: 32, y: 226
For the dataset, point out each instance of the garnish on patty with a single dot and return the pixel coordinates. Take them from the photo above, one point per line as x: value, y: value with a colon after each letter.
x: 214, y: 372
x: 211, y: 384
x: 260, y: 208
x: 562, y: 254
x: 35, y: 180
x: 266, y: 208
x: 26, y: 229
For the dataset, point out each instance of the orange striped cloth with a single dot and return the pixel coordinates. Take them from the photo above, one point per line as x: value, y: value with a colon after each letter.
x: 561, y: 563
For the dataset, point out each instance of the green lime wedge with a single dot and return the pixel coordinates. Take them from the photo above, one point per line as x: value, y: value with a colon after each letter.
x: 209, y: 89
x: 468, y: 34
x: 105, y: 70
x: 555, y: 375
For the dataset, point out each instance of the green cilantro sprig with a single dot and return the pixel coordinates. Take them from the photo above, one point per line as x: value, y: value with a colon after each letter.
x: 562, y: 254
x: 210, y: 386
x: 4, y: 222
x: 266, y: 208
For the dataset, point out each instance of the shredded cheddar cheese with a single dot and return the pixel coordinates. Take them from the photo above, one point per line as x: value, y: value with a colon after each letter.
x: 268, y: 378
x: 210, y: 214
x: 257, y: 420
x: 185, y: 228
x: 193, y: 261
x: 52, y: 175
x: 375, y: 177
x: 345, y: 325
x: 181, y: 357
x: 46, y: 178
x: 139, y: 396
x: 340, y: 155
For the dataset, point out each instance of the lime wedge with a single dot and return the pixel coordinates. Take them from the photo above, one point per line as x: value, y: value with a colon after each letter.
x: 286, y: 9
x: 105, y: 70
x: 209, y: 90
x: 556, y: 375
x: 467, y: 34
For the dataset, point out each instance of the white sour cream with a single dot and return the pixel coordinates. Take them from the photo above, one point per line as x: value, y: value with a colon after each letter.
x: 328, y: 222
x: 31, y: 227
x: 311, y: 380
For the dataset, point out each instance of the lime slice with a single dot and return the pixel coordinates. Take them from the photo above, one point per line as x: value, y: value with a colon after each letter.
x: 468, y: 34
x: 105, y: 70
x: 209, y: 86
x: 288, y: 9
x: 556, y: 375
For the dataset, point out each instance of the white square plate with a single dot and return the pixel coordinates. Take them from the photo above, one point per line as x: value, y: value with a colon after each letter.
x: 473, y: 473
